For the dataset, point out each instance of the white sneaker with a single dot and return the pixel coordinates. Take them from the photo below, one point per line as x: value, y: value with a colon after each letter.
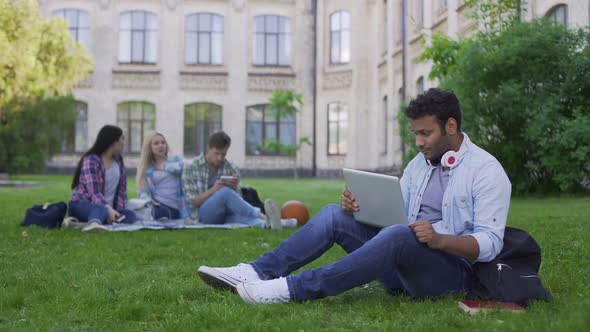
x: 227, y: 277
x: 289, y: 222
x: 265, y: 291
x: 94, y: 226
x: 71, y: 222
x: 273, y: 214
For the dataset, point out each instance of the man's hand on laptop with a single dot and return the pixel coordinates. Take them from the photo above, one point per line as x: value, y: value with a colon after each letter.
x: 348, y: 202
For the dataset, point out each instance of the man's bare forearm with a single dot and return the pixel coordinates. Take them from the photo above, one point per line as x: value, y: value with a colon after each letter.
x: 201, y: 198
x: 464, y: 246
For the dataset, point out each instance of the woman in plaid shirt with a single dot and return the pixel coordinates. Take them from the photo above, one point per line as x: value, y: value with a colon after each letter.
x: 100, y: 185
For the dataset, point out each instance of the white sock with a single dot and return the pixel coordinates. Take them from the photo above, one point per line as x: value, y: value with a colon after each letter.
x: 281, y: 286
x: 289, y: 223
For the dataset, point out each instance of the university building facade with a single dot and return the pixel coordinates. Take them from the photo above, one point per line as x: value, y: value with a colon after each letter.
x: 187, y: 68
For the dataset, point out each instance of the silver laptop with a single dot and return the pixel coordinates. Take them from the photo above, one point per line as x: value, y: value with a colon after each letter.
x: 379, y: 197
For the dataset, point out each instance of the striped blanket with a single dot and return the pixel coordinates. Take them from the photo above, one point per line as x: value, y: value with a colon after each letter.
x: 165, y: 224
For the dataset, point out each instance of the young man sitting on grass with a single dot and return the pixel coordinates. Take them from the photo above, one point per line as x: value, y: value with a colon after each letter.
x: 456, y: 195
x: 211, y: 185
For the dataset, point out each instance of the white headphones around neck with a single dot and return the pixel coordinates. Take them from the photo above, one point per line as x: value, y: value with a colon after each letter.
x: 451, y: 158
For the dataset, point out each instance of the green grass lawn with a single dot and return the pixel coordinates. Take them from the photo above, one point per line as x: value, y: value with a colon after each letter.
x: 69, y: 280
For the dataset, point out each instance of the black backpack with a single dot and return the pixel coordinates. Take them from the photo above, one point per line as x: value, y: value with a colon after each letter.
x: 513, y: 275
x: 250, y: 195
x: 48, y: 215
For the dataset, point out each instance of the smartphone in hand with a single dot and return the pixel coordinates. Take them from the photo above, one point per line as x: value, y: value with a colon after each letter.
x: 225, y: 178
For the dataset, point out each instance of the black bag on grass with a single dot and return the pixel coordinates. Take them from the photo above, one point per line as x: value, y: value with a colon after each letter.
x: 48, y: 215
x: 513, y: 275
x: 250, y: 195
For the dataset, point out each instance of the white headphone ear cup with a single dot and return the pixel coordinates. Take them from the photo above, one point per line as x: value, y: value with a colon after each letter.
x: 448, y: 159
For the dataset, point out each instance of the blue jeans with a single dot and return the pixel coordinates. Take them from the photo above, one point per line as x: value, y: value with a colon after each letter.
x: 162, y: 211
x: 88, y: 211
x: 391, y: 255
x: 227, y: 207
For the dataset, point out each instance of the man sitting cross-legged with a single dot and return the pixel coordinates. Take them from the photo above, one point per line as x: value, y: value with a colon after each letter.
x: 456, y: 197
x: 211, y: 185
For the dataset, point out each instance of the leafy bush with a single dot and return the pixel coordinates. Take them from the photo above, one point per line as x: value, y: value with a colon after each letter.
x: 524, y: 93
x: 408, y: 138
x: 31, y: 136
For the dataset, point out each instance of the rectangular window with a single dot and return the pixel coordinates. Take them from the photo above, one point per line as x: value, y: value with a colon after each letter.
x: 78, y: 24
x: 398, y: 12
x: 337, y: 129
x: 262, y: 127
x: 204, y: 39
x: 201, y: 120
x: 385, y: 138
x: 385, y: 28
x: 340, y: 37
x: 138, y: 37
x: 271, y: 40
x: 136, y: 119
x: 420, y: 85
x: 77, y: 136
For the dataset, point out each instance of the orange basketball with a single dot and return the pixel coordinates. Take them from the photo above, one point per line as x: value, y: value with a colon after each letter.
x: 297, y: 210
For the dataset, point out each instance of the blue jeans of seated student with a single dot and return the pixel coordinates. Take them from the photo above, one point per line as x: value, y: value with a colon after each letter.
x: 88, y: 211
x: 161, y: 211
x: 227, y: 207
x: 391, y: 255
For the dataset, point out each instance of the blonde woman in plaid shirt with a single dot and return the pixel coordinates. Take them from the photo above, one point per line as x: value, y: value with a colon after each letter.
x: 212, y: 190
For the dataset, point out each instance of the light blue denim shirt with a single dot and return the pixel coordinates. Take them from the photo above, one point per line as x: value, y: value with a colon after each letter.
x: 475, y: 202
x: 173, y: 166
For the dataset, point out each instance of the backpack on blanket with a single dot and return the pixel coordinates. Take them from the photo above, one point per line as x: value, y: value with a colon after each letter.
x: 250, y: 195
x: 48, y: 215
x: 512, y: 275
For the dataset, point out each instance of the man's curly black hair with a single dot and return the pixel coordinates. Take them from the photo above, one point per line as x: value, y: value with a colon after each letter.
x: 440, y: 103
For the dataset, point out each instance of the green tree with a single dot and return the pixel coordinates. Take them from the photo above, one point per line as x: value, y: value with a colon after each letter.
x: 29, y: 142
x: 407, y: 136
x: 495, y: 16
x: 525, y: 94
x: 442, y: 51
x: 39, y: 62
x: 524, y: 89
x: 284, y: 104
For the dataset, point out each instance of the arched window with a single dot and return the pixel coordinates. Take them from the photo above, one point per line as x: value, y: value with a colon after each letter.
x: 337, y: 128
x: 340, y: 37
x: 262, y: 126
x: 204, y: 39
x: 558, y: 14
x: 78, y: 24
x: 136, y: 118
x: 271, y: 40
x: 200, y: 121
x: 77, y: 136
x: 138, y: 31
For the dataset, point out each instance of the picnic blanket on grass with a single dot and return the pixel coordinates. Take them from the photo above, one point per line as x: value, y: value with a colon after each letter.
x: 142, y: 208
x: 166, y: 224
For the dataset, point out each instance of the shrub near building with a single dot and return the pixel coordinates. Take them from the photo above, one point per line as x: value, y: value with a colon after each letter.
x: 525, y: 92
